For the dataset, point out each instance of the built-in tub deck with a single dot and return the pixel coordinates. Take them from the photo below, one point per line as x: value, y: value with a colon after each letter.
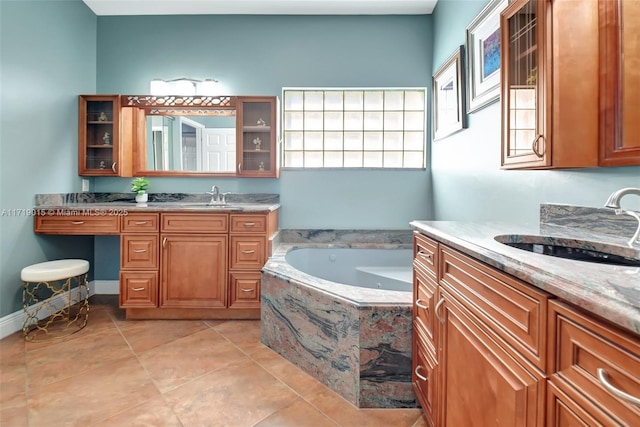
x: 356, y: 340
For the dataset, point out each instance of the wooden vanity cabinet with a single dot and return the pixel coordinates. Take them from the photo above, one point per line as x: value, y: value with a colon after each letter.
x: 257, y: 128
x: 491, y: 360
x: 425, y: 297
x: 105, y: 137
x: 504, y: 353
x: 581, y: 345
x: 139, y: 260
x: 248, y: 251
x: 193, y: 260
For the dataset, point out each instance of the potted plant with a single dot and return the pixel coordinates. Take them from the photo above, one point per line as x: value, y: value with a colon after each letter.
x: 139, y: 187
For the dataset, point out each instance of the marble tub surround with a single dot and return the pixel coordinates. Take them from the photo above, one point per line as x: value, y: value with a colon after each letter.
x: 609, y: 291
x: 368, y: 238
x: 362, y: 352
x: 355, y: 340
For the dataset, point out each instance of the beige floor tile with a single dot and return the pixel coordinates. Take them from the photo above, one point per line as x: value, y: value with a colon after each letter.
x: 240, y: 395
x: 152, y: 413
x: 96, y: 395
x: 299, y: 413
x: 13, y: 408
x: 143, y: 335
x: 286, y: 371
x: 347, y: 415
x: 75, y: 356
x: 185, y: 359
x: 243, y: 333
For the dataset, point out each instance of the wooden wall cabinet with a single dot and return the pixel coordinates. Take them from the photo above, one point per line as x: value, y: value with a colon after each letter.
x: 495, y: 351
x: 620, y: 85
x: 568, y: 84
x: 257, y: 135
x: 105, y: 137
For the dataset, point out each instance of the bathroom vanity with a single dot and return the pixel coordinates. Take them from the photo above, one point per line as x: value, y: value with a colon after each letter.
x: 179, y: 260
x: 507, y: 337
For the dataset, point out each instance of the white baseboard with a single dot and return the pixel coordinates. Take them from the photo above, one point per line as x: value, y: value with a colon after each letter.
x: 14, y: 321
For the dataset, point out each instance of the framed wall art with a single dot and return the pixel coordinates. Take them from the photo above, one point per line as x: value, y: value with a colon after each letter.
x: 483, y: 56
x: 449, y: 114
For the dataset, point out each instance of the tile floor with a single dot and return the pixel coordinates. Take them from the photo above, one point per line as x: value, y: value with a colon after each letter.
x: 168, y: 373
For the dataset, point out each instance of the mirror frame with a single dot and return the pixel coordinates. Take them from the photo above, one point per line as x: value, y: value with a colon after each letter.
x: 171, y: 105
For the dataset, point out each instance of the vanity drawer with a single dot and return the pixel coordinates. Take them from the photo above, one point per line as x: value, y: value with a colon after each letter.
x: 425, y: 252
x: 248, y: 223
x: 512, y: 309
x: 140, y: 223
x: 194, y: 223
x: 584, y: 345
x: 424, y: 301
x: 139, y: 251
x: 245, y: 290
x: 247, y: 252
x: 138, y: 289
x: 77, y: 224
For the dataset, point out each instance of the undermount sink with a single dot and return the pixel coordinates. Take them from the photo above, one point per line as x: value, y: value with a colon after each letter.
x: 579, y: 250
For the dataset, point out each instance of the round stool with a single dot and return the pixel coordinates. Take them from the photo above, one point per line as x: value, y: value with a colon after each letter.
x: 53, y: 307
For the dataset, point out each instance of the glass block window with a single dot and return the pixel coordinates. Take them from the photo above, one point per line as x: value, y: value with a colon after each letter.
x: 354, y: 128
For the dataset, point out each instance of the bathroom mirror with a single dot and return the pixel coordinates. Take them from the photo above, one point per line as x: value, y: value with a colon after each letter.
x: 183, y: 136
x: 189, y: 143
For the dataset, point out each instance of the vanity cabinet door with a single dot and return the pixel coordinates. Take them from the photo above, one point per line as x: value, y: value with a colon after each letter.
x: 257, y: 128
x: 105, y: 136
x: 620, y: 130
x: 483, y: 384
x: 193, y: 271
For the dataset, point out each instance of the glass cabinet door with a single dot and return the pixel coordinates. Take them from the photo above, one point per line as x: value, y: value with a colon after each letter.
x: 524, y: 136
x: 98, y: 133
x: 257, y: 123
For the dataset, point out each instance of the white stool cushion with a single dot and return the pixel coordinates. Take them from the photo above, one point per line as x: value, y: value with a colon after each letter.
x: 54, y: 270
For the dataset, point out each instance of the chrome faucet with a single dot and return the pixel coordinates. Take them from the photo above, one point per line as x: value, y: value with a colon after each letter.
x: 613, y: 202
x: 215, y: 194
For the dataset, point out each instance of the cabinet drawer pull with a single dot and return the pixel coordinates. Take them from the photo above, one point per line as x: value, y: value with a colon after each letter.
x: 140, y: 222
x: 604, y: 380
x: 113, y: 167
x: 246, y: 290
x: 164, y: 243
x: 440, y: 319
x: 425, y: 255
x: 137, y: 289
x: 249, y: 251
x: 239, y: 167
x: 422, y: 377
x: 77, y: 222
x: 249, y: 224
x: 139, y: 251
x: 420, y: 305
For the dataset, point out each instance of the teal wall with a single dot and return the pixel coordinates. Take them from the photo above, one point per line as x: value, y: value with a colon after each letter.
x: 468, y: 184
x: 259, y: 55
x: 47, y: 58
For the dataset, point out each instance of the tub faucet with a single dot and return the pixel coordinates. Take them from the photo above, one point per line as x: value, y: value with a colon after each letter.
x: 613, y: 202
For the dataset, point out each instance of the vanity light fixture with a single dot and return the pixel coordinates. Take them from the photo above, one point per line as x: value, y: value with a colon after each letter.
x: 183, y: 86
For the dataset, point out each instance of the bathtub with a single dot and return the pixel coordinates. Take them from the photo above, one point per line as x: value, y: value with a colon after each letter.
x: 343, y: 315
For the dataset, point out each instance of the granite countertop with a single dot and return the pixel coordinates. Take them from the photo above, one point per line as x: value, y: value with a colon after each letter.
x: 158, y: 202
x: 609, y: 291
